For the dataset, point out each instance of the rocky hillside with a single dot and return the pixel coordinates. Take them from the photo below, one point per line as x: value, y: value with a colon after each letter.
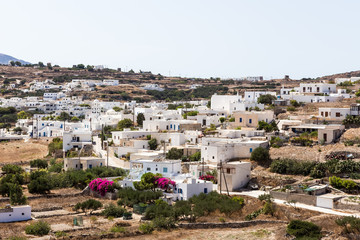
x: 342, y: 75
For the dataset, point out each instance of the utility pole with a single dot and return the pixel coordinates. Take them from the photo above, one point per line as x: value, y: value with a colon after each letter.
x: 107, y: 154
x: 203, y: 167
x: 134, y: 115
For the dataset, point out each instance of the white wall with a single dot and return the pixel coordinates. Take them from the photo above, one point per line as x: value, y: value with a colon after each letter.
x: 15, y: 214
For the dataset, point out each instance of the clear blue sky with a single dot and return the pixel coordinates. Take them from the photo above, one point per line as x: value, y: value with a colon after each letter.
x: 199, y: 38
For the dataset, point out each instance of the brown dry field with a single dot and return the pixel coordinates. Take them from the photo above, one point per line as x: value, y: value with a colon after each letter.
x: 102, y: 226
x: 20, y: 151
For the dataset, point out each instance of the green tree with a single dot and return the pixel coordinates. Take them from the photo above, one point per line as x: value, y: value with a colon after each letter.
x: 117, y: 109
x: 41, y: 64
x: 90, y: 204
x: 16, y: 195
x: 12, y: 63
x: 140, y: 119
x: 266, y: 99
x: 195, y: 157
x: 12, y: 169
x: 40, y: 183
x: 38, y: 163
x: 147, y: 182
x: 153, y: 144
x: 17, y: 63
x: 64, y: 116
x: 90, y: 68
x: 261, y: 156
x: 22, y: 115
x: 174, y: 153
x: 126, y: 123
x: 75, y: 119
x: 222, y: 119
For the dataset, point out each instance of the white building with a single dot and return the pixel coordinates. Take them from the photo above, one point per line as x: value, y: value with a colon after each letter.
x: 254, y: 95
x: 237, y: 175
x: 83, y: 163
x: 76, y: 139
x: 334, y: 113
x: 215, y: 150
x: 317, y: 88
x: 15, y: 213
x: 231, y: 103
x: 153, y: 87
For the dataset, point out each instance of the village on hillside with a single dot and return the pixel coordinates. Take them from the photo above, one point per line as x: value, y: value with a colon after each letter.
x: 95, y: 153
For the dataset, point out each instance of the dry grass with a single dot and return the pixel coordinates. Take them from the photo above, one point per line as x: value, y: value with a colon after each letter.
x: 18, y: 151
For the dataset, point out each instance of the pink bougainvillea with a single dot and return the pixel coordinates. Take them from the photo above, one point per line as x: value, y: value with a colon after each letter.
x: 207, y: 178
x: 100, y: 185
x: 163, y: 183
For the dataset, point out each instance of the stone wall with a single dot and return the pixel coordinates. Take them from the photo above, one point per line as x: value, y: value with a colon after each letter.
x: 350, y: 206
x: 226, y: 224
x: 300, y: 198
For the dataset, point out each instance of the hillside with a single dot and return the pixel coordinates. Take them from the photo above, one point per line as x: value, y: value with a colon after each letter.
x: 341, y: 75
x: 5, y: 59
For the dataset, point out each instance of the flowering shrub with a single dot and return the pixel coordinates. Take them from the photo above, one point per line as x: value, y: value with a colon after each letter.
x: 207, y: 178
x: 100, y: 186
x: 163, y: 183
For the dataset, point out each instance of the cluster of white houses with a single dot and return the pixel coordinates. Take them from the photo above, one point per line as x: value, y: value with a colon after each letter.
x: 224, y: 150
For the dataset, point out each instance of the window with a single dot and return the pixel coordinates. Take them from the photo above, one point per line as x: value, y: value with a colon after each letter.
x: 205, y: 190
x: 228, y: 170
x: 148, y: 169
x: 250, y: 120
x: 337, y: 114
x: 156, y: 169
x: 22, y: 214
x: 251, y: 150
x: 240, y: 120
x: 165, y: 169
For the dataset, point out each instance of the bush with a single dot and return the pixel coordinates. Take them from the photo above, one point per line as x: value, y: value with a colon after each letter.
x: 291, y: 109
x: 129, y: 197
x: 253, y: 215
x: 268, y: 127
x: 300, y: 229
x: 153, y: 144
x: 347, y: 185
x: 112, y: 210
x: 269, y: 208
x: 146, y: 228
x: 117, y: 229
x: 350, y: 224
x: 261, y: 156
x: 266, y: 99
x: 174, y: 153
x: 160, y: 209
x: 38, y: 163
x: 166, y: 223
x: 90, y: 204
x: 265, y: 197
x: 291, y: 166
x: 276, y: 142
x: 39, y: 228
x: 12, y: 169
x: 204, y: 204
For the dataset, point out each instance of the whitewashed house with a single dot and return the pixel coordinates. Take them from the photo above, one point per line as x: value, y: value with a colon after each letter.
x: 15, y: 213
x: 76, y: 139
